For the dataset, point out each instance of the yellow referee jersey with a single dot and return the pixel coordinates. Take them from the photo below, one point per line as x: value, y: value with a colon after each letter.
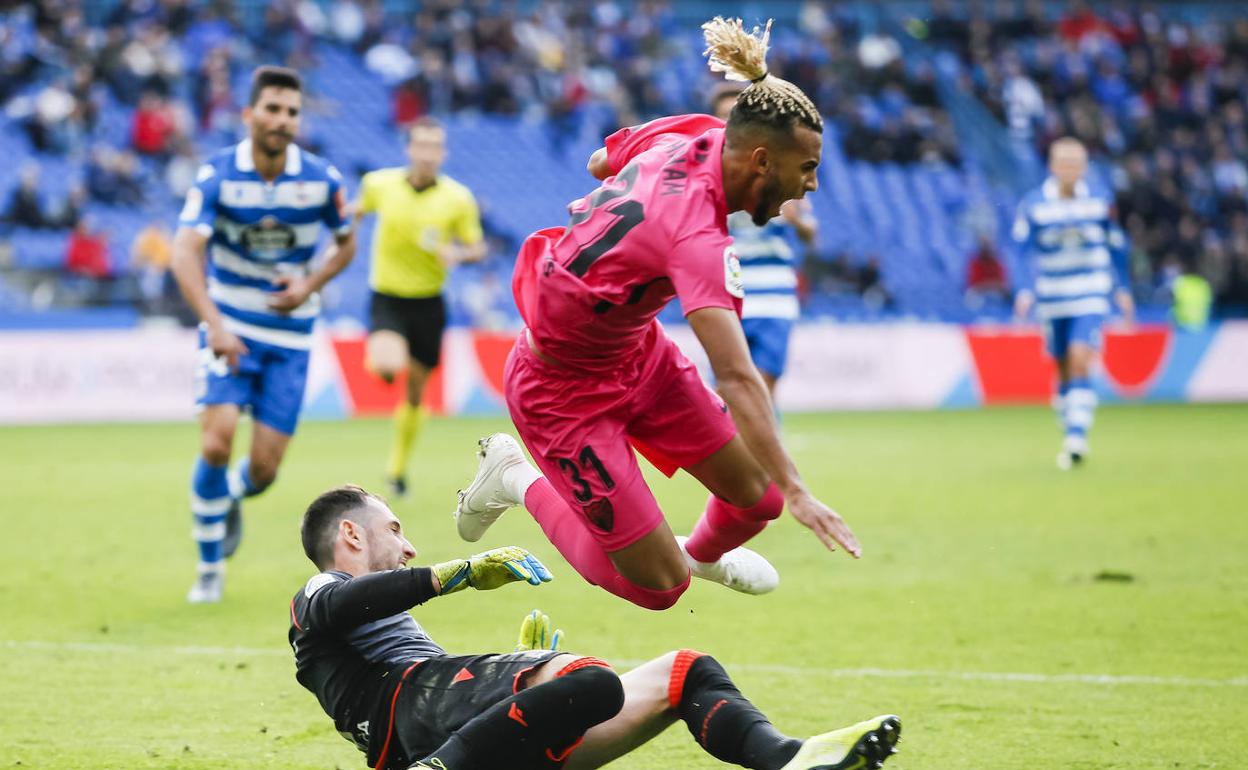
x: 411, y: 227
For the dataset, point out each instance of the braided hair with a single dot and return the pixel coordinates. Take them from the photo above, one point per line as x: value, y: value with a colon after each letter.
x: 768, y: 101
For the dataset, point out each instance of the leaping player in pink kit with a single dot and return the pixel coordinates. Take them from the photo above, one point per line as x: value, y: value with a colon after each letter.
x: 594, y: 375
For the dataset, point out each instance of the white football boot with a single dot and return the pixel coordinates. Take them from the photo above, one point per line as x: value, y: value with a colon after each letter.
x: 1074, y: 451
x: 208, y: 588
x: 488, y: 497
x: 740, y: 569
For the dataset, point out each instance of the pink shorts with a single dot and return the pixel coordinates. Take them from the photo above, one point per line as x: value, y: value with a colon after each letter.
x: 581, y: 430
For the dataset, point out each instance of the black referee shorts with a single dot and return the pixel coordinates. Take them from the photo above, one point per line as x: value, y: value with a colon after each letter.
x: 420, y: 320
x: 444, y: 693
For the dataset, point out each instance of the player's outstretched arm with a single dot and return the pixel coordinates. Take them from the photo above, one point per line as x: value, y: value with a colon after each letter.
x: 330, y: 604
x: 490, y: 570
x: 743, y: 389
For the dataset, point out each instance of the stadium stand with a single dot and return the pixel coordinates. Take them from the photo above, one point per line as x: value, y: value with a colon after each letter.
x: 114, y: 101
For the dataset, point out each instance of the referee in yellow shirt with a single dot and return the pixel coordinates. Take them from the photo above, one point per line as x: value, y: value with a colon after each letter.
x: 426, y: 223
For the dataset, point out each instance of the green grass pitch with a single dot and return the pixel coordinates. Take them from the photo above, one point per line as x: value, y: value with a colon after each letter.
x: 1013, y: 615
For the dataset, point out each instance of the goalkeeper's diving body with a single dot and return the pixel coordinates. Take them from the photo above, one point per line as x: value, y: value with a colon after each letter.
x: 406, y: 703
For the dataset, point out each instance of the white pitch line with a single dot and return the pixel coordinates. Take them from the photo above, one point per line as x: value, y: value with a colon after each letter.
x: 141, y: 649
x: 997, y: 676
x: 762, y: 668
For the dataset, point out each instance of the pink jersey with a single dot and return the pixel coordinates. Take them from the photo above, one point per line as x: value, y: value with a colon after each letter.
x: 657, y: 229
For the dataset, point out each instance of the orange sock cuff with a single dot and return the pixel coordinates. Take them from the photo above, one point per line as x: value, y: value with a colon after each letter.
x: 580, y: 663
x: 680, y: 668
x: 563, y: 755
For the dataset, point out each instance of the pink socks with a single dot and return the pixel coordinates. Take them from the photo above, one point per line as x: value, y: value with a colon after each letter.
x: 724, y: 526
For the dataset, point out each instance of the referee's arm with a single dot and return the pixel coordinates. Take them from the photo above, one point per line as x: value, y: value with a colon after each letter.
x: 459, y: 253
x: 468, y: 240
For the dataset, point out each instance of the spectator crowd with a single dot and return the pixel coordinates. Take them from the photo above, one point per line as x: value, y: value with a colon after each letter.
x: 127, y: 91
x: 1159, y: 99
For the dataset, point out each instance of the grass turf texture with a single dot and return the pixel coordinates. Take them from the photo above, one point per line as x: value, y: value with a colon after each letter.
x: 980, y: 560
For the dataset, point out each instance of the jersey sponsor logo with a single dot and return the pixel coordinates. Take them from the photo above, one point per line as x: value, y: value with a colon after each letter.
x: 317, y: 583
x: 1071, y: 236
x: 733, y: 282
x: 268, y: 239
x: 194, y: 204
x: 1048, y: 212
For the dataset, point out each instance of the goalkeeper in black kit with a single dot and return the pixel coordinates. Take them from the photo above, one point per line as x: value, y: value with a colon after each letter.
x: 406, y: 703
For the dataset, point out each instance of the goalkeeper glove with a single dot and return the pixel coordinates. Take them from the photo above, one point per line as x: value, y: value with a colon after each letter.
x: 491, y: 569
x: 536, y: 633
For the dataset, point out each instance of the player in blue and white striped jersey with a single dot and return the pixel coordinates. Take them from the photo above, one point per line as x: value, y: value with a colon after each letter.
x: 769, y: 275
x: 255, y: 213
x: 768, y: 269
x: 1073, y: 259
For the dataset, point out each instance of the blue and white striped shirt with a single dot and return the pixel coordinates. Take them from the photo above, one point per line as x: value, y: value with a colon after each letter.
x: 259, y: 231
x: 1073, y: 254
x: 768, y: 267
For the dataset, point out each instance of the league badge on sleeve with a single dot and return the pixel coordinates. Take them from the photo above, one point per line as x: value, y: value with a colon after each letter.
x: 732, y: 274
x: 194, y: 204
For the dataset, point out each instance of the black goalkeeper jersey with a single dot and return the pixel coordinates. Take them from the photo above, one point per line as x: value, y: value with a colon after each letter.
x: 353, y: 638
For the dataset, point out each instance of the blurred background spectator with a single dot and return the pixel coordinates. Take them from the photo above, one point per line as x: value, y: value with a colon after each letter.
x: 985, y: 276
x: 25, y: 203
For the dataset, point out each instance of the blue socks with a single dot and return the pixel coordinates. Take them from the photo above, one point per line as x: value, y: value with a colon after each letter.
x: 1079, y: 407
x: 210, y: 500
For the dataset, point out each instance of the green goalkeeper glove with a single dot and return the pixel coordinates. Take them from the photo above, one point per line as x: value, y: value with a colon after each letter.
x: 491, y: 569
x: 536, y: 633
